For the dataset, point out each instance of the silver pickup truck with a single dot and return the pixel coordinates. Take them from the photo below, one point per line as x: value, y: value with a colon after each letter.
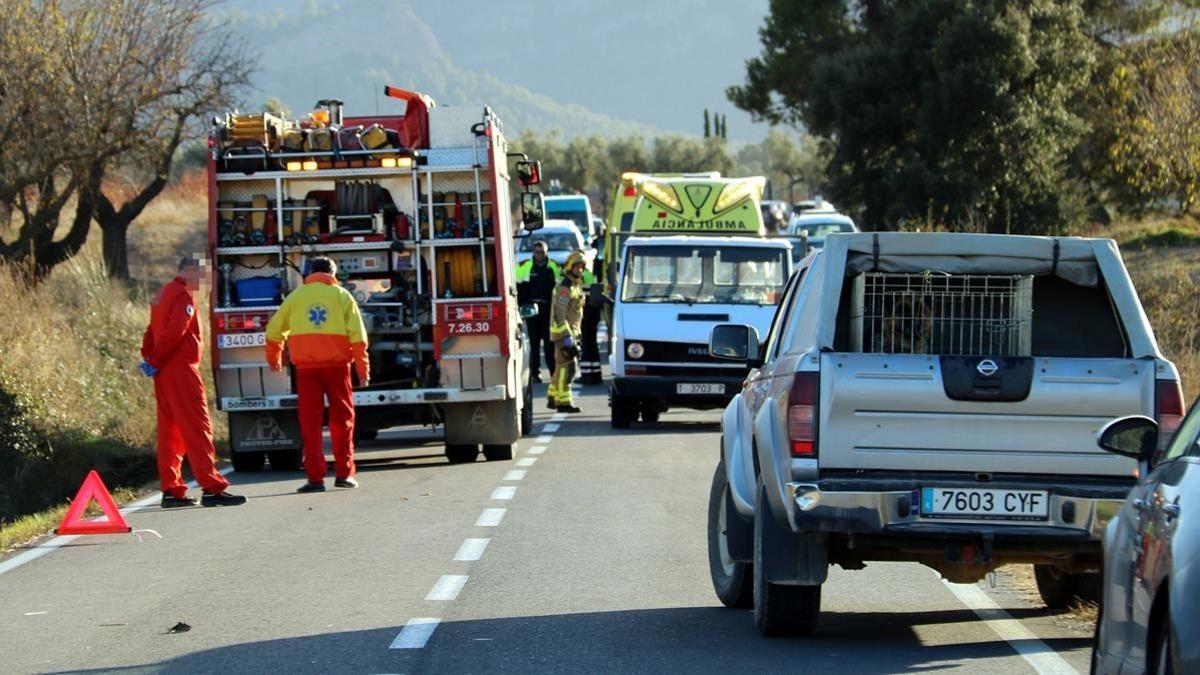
x: 931, y: 398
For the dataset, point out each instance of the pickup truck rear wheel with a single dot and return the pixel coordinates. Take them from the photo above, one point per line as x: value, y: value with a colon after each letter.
x: 248, y: 462
x: 624, y: 411
x: 1059, y: 588
x: 461, y: 453
x: 732, y: 580
x: 779, y: 609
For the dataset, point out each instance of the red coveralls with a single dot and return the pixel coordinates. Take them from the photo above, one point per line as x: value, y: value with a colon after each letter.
x: 172, y: 345
x: 323, y: 328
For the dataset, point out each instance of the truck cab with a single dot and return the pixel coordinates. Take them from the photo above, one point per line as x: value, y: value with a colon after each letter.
x: 575, y: 208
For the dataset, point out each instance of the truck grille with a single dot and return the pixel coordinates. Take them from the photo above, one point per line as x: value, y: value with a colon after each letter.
x: 676, y: 352
x: 938, y: 313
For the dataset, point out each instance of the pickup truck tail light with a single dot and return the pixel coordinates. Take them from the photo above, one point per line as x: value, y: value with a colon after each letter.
x: 1168, y: 410
x: 802, y: 414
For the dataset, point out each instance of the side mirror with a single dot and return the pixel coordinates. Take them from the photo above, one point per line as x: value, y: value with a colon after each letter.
x: 1135, y: 437
x: 734, y: 341
x: 529, y: 172
x: 529, y: 311
x: 533, y: 211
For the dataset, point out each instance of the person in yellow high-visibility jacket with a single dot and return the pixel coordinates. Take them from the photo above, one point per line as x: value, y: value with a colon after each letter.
x: 324, y: 328
x: 566, y: 315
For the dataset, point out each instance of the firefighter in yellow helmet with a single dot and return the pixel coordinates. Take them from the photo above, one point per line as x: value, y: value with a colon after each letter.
x: 566, y: 315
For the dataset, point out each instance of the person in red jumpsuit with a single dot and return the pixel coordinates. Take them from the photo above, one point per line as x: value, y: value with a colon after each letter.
x: 171, y: 353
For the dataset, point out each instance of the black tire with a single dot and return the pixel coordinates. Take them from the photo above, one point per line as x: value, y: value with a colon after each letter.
x: 527, y: 411
x: 624, y: 411
x: 1159, y: 648
x: 497, y: 453
x: 248, y: 462
x: 650, y: 415
x: 1097, y: 650
x: 285, y: 460
x: 779, y: 610
x: 733, y: 581
x: 461, y: 454
x: 368, y: 434
x: 1058, y: 588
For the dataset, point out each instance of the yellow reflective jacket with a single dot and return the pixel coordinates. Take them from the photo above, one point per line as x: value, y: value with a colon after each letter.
x: 323, y: 324
x: 566, y: 314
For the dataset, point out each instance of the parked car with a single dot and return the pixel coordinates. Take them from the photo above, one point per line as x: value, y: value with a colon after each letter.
x: 561, y: 237
x: 1149, y: 619
x: 817, y: 225
x: 933, y: 398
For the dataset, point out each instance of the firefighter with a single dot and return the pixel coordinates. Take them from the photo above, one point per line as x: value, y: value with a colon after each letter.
x: 171, y: 352
x: 589, y: 359
x: 565, y: 318
x: 536, y: 279
x: 325, y: 329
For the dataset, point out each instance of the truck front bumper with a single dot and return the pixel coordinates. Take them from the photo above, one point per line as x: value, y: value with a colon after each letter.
x: 671, y: 389
x: 1076, y: 513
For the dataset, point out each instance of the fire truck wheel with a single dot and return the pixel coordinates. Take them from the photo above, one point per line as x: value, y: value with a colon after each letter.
x: 285, y: 460
x: 497, y: 453
x: 248, y: 462
x: 527, y: 411
x: 461, y: 454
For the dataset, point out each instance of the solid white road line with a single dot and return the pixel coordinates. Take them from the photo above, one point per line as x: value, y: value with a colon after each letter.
x: 1035, y: 652
x: 50, y: 546
x: 550, y: 428
x: 515, y: 474
x: 471, y: 550
x: 526, y: 461
x: 415, y: 633
x: 536, y: 450
x: 504, y: 492
x: 490, y: 518
x: 447, y: 587
x: 545, y: 438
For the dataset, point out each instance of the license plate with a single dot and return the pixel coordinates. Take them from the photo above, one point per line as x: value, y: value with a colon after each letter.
x: 700, y: 388
x: 233, y: 340
x: 984, y: 504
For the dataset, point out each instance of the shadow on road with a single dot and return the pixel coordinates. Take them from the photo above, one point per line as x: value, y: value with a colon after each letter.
x: 706, y: 639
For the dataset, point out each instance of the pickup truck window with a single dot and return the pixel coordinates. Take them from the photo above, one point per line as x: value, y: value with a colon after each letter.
x: 976, y: 314
x: 783, y: 314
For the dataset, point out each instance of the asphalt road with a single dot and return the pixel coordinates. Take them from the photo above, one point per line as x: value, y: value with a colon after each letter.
x: 587, y: 554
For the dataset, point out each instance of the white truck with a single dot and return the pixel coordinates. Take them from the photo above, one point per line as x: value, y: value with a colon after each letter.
x: 415, y: 210
x: 933, y: 398
x: 672, y: 291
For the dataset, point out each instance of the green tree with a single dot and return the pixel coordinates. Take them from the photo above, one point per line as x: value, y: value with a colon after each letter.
x: 707, y: 127
x: 940, y: 110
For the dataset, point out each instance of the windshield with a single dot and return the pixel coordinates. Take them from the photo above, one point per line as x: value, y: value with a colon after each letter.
x: 822, y: 230
x: 738, y: 275
x: 555, y: 241
x: 580, y: 217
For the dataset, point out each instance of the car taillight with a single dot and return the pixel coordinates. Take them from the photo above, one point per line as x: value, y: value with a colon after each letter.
x: 630, y: 191
x: 468, y: 312
x: 1168, y: 410
x: 802, y: 414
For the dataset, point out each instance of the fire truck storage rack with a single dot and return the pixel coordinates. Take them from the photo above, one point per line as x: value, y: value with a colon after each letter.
x: 399, y: 268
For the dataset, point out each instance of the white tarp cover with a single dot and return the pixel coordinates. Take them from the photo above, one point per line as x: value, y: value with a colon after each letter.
x: 914, y: 252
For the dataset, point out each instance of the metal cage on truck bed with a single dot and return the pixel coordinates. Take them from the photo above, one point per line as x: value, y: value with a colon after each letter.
x: 939, y: 313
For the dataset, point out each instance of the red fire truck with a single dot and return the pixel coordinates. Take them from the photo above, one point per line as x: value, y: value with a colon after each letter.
x: 415, y: 211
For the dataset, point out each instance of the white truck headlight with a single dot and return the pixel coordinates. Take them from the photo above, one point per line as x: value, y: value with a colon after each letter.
x: 635, y: 350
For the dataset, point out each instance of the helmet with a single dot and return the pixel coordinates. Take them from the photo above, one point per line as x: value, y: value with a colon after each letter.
x: 575, y: 258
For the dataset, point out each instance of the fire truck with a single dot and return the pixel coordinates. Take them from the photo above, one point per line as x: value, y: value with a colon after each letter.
x: 414, y: 209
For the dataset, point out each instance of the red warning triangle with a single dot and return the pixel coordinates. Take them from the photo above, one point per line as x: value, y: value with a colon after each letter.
x: 93, y: 488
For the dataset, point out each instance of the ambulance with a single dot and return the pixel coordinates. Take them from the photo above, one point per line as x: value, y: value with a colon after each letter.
x: 697, y: 255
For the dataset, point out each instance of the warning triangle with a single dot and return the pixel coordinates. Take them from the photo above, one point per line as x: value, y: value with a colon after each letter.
x: 93, y: 488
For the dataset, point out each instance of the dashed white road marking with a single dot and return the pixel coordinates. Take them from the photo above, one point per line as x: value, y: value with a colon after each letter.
x: 558, y: 417
x: 504, y: 492
x: 471, y: 550
x: 515, y: 474
x: 490, y: 518
x: 545, y: 438
x: 526, y: 461
x: 536, y: 450
x: 57, y: 542
x: 1036, y: 653
x: 415, y: 633
x: 550, y: 428
x: 447, y: 587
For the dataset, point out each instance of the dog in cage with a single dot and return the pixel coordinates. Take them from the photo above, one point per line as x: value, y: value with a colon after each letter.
x: 902, y: 322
